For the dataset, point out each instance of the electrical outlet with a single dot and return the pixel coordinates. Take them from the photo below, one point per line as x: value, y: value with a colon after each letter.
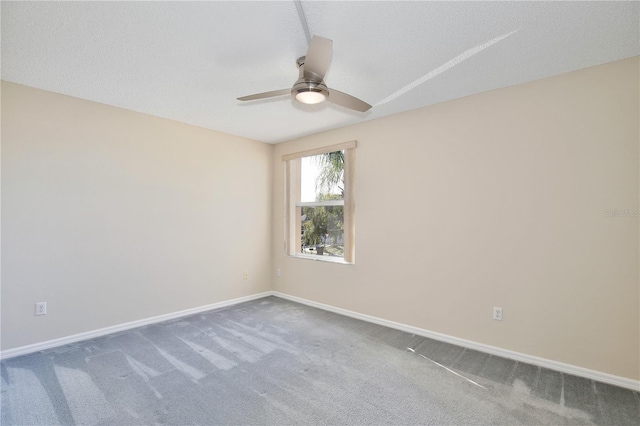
x: 497, y: 314
x: 278, y: 274
x: 41, y: 308
x: 246, y: 275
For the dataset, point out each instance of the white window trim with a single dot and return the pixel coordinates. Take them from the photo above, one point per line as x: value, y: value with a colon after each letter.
x: 320, y: 203
x: 293, y: 205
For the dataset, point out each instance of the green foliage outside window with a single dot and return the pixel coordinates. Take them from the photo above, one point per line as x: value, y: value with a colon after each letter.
x: 323, y: 226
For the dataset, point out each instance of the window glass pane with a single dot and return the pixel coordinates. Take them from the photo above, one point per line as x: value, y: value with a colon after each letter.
x: 322, y: 177
x: 315, y: 198
x: 322, y: 231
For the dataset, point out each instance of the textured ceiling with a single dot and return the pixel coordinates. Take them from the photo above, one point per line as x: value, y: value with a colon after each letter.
x: 190, y: 61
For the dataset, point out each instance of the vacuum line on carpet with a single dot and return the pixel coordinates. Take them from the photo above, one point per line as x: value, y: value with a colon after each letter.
x: 446, y: 368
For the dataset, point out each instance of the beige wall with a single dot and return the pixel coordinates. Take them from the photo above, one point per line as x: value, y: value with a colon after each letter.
x: 113, y: 216
x: 496, y: 199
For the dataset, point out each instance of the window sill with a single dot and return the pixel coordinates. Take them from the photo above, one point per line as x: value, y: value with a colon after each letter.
x: 328, y: 259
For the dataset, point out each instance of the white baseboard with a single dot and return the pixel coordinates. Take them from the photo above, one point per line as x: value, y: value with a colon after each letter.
x: 517, y: 356
x: 23, y: 350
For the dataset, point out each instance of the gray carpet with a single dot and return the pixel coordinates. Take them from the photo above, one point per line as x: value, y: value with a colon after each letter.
x: 276, y: 362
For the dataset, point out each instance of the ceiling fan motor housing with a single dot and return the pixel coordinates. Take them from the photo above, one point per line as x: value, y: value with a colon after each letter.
x: 304, y: 85
x: 308, y: 82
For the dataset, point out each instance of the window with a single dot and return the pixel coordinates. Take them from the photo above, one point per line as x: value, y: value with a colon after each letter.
x: 319, y: 211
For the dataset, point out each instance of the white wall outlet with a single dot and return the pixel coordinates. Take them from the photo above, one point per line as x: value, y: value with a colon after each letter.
x: 497, y: 314
x: 278, y: 274
x: 245, y: 275
x: 41, y: 308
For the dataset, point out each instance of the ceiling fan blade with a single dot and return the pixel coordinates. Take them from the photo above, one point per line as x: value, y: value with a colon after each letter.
x: 318, y: 58
x: 264, y: 95
x: 348, y: 101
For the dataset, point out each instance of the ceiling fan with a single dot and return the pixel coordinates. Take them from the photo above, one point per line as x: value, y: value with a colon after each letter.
x: 310, y: 87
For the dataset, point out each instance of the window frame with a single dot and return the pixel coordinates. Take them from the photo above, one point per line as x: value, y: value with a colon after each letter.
x: 293, y: 205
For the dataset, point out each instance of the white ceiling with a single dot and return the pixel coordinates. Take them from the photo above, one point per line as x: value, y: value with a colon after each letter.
x: 190, y: 61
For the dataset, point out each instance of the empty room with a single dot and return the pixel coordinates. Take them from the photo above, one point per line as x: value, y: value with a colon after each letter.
x: 320, y: 212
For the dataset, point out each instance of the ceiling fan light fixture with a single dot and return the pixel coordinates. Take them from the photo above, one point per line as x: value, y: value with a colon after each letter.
x: 311, y: 96
x: 309, y: 92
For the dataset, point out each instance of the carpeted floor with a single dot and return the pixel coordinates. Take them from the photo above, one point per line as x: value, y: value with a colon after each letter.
x: 275, y: 362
